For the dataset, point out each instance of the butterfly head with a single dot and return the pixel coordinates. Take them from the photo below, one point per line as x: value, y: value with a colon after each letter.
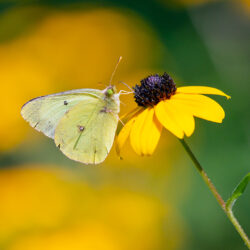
x: 110, y: 90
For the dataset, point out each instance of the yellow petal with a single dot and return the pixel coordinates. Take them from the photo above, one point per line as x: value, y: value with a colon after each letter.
x: 166, y: 117
x: 200, y: 106
x: 150, y: 133
x: 201, y: 90
x: 145, y: 133
x: 123, y: 135
x: 135, y: 135
x: 183, y: 117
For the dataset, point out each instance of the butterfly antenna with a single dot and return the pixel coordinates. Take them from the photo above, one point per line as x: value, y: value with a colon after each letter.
x: 127, y: 85
x: 116, y: 66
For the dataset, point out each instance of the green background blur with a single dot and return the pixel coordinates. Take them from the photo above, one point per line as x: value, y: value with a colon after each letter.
x: 157, y: 202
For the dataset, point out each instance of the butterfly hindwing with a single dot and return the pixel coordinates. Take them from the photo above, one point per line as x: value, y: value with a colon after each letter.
x: 86, y: 132
x: 43, y: 113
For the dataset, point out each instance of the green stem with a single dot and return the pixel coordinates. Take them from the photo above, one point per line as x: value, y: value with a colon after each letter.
x: 227, y: 210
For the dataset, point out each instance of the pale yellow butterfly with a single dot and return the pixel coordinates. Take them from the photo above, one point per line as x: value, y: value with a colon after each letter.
x: 82, y: 122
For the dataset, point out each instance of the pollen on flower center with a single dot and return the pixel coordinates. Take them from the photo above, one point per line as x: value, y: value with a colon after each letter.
x: 154, y: 89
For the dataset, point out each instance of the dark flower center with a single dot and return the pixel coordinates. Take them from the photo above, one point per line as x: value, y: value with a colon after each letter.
x: 154, y: 89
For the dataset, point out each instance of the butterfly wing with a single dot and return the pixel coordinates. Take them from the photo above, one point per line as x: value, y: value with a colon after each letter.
x: 86, y: 133
x: 43, y: 113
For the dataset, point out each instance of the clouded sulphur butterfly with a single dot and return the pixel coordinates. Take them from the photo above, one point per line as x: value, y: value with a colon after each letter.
x: 82, y: 122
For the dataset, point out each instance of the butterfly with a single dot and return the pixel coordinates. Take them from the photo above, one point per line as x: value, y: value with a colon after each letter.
x: 82, y: 122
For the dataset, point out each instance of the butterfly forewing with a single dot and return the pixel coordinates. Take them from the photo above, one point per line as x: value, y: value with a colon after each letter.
x: 43, y: 113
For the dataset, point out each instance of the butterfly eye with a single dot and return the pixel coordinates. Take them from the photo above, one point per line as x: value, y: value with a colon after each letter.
x: 110, y: 92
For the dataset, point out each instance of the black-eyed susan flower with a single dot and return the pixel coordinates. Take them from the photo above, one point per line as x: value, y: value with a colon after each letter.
x: 161, y: 104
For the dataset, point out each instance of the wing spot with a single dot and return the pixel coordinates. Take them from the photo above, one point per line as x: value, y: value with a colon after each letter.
x: 81, y: 128
x: 65, y: 103
x: 36, y: 124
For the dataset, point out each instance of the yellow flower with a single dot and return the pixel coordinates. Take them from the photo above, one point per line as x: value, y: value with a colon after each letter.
x: 161, y: 104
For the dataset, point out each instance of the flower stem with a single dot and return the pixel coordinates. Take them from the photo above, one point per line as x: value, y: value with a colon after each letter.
x: 227, y: 210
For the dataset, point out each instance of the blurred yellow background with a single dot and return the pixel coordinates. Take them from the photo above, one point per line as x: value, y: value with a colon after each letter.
x: 45, y: 207
x: 158, y: 202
